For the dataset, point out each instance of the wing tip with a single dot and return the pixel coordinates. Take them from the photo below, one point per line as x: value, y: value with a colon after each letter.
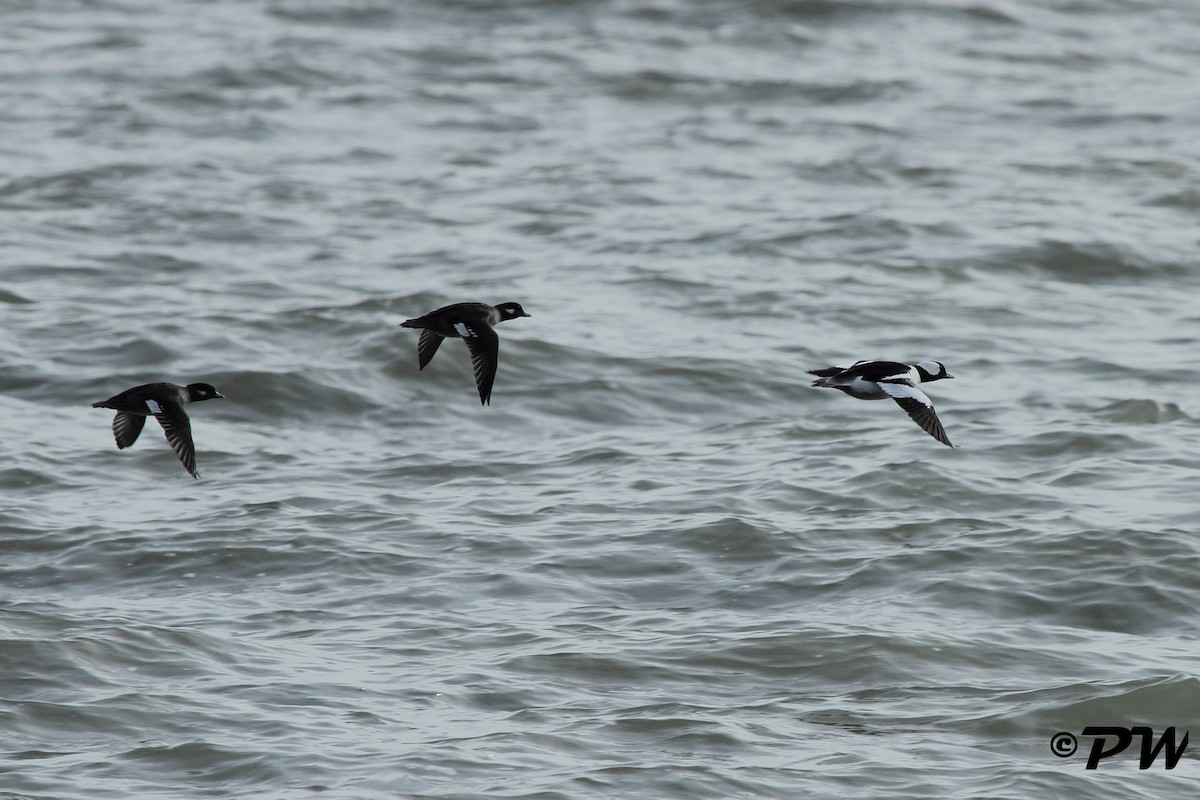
x: 939, y: 433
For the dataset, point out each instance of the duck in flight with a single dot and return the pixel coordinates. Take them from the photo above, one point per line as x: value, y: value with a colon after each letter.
x: 473, y: 323
x: 879, y: 380
x: 164, y: 402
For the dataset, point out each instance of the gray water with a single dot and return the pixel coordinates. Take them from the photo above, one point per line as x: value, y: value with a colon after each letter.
x: 660, y: 564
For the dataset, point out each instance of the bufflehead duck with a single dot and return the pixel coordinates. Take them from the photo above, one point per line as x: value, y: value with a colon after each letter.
x: 164, y: 402
x: 471, y: 322
x: 878, y: 380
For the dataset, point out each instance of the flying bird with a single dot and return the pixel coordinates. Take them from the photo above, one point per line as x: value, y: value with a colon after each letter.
x: 879, y: 380
x: 164, y: 402
x: 473, y: 323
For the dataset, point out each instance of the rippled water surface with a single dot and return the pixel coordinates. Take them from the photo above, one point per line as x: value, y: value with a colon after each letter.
x: 660, y: 564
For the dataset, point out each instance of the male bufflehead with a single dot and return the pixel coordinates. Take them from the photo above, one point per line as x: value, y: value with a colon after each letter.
x: 877, y: 380
x: 471, y: 322
x: 164, y: 402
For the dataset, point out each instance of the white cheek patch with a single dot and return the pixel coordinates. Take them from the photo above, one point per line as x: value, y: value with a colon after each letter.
x: 154, y: 407
x: 932, y: 367
x: 463, y: 330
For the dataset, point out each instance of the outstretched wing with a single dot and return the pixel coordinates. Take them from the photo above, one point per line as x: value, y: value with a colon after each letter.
x: 484, y: 345
x: 427, y: 346
x: 918, y: 406
x: 127, y: 427
x: 178, y: 429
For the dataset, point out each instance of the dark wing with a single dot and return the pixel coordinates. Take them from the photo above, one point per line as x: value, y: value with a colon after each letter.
x: 871, y: 370
x: 178, y: 429
x: 484, y: 345
x: 918, y: 406
x: 428, y: 345
x: 878, y: 370
x: 127, y: 427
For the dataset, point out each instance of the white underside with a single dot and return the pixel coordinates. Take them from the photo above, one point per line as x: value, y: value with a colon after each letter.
x: 863, y: 390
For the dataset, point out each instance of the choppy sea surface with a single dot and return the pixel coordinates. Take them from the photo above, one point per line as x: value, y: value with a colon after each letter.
x: 660, y: 564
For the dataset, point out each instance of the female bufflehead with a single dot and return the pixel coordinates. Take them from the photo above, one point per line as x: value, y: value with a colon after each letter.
x: 878, y: 380
x: 164, y: 402
x: 471, y: 322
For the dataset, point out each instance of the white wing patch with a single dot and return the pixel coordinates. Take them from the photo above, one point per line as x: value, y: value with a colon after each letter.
x: 463, y: 329
x: 907, y: 391
x: 154, y: 407
x: 919, y: 409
